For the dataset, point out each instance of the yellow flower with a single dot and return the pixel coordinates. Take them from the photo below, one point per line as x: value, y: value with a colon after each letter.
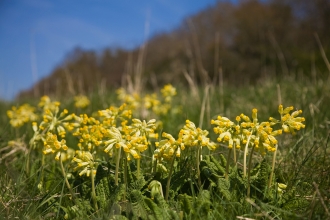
x: 290, y: 122
x: 144, y: 127
x: 68, y: 154
x: 81, y: 101
x: 168, y: 91
x: 46, y: 103
x: 21, y: 115
x: 166, y: 147
x: 116, y: 140
x: 132, y: 100
x: 53, y: 121
x: 151, y: 102
x: 85, y: 163
x: 132, y: 139
x: 259, y: 135
x: 38, y: 137
x: 52, y: 145
x: 110, y: 116
x: 192, y: 136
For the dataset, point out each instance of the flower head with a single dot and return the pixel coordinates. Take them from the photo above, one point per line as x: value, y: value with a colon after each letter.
x: 53, y: 145
x: 58, y: 122
x: 85, y: 163
x: 167, y: 147
x: 168, y: 91
x: 21, y: 115
x: 132, y: 100
x: 192, y: 136
x: 47, y: 103
x: 290, y: 122
x: 255, y: 134
x: 110, y: 116
x: 81, y: 101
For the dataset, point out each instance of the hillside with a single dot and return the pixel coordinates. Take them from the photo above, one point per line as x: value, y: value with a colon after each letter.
x: 247, y: 41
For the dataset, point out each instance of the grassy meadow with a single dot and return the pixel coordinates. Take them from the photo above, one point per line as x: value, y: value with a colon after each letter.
x: 179, y: 152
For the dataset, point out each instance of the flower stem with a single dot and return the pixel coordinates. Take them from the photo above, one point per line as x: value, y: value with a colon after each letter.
x: 197, y: 164
x: 273, y: 168
x: 138, y: 168
x: 66, y: 179
x: 117, y: 166
x: 249, y: 172
x: 93, y: 191
x: 125, y: 177
x: 42, y: 169
x: 169, y: 176
x: 227, y: 165
x: 245, y: 153
x: 234, y: 150
x: 154, y: 169
x: 27, y: 165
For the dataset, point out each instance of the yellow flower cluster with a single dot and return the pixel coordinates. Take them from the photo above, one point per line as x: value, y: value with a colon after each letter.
x: 81, y: 101
x: 21, y: 115
x: 162, y: 108
x: 90, y: 133
x: 167, y: 147
x: 54, y: 124
x: 112, y: 130
x: 189, y: 136
x: 132, y: 139
x: 95, y: 134
x: 261, y: 136
x: 151, y: 102
x: 132, y: 100
x: 52, y: 145
x: 53, y: 121
x: 290, y: 122
x: 110, y: 116
x: 159, y: 106
x: 192, y: 136
x: 85, y: 163
x: 168, y: 92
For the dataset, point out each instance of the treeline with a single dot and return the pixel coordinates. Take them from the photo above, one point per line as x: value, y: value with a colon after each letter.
x: 246, y: 42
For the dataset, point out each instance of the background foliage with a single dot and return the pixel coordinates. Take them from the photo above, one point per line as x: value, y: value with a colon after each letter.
x: 247, y: 41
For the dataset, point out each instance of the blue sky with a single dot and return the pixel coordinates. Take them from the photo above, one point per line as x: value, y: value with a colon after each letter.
x: 35, y: 35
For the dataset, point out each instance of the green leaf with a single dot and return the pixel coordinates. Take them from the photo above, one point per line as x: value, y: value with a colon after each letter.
x: 223, y: 186
x: 185, y: 202
x: 156, y: 211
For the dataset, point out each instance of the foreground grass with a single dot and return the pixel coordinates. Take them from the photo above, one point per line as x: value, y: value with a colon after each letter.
x: 302, y: 164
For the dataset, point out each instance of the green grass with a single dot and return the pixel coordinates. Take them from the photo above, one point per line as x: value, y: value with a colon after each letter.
x: 302, y: 163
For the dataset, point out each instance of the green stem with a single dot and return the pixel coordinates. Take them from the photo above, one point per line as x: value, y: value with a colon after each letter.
x: 93, y: 191
x: 273, y: 168
x: 42, y: 169
x: 249, y: 172
x: 234, y: 150
x: 197, y: 164
x: 117, y: 166
x: 125, y: 177
x: 245, y: 153
x: 66, y: 179
x: 155, y: 166
x: 169, y: 176
x: 227, y: 165
x: 27, y: 165
x: 59, y: 205
x: 138, y: 168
